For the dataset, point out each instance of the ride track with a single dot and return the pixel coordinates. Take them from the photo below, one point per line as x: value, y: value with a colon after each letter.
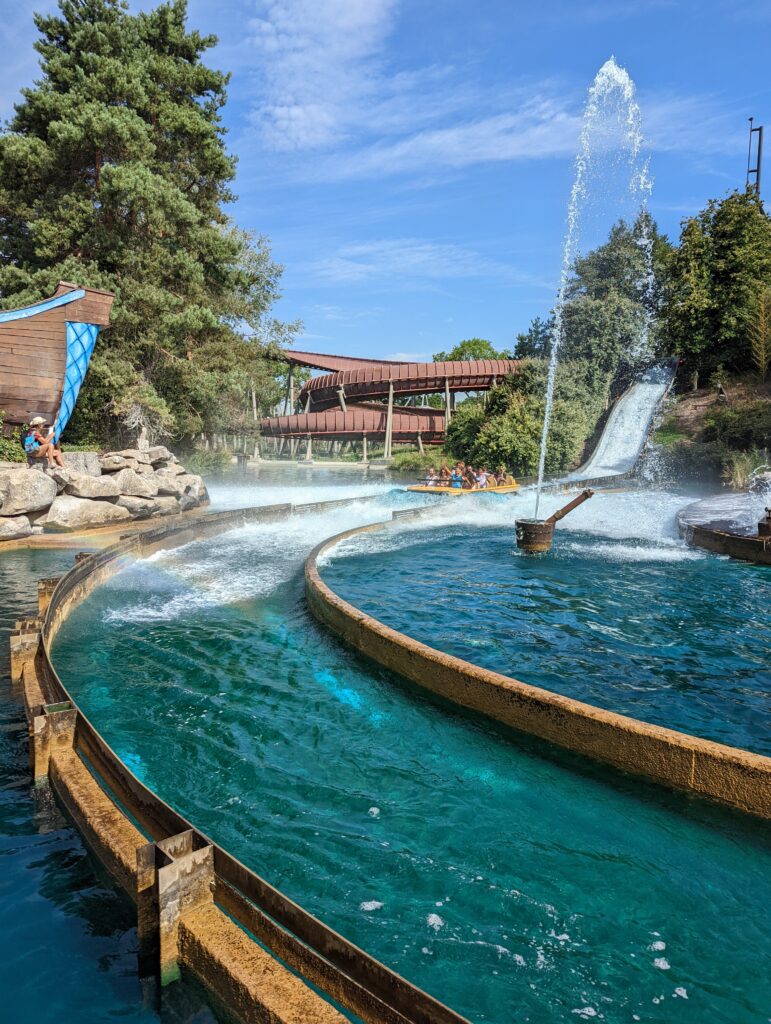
x: 358, y: 397
x: 197, y: 905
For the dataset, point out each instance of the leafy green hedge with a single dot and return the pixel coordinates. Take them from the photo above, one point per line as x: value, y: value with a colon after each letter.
x: 743, y: 426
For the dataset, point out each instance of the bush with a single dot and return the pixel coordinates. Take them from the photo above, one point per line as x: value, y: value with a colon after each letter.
x: 207, y: 461
x: 414, y: 462
x: 10, y: 447
x: 741, y: 426
x: 738, y: 466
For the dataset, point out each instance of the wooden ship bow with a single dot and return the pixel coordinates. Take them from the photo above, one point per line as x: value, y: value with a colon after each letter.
x: 45, y: 349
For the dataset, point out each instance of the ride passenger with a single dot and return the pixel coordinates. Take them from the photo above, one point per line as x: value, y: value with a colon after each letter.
x: 482, y: 477
x: 444, y: 473
x: 469, y: 478
x: 456, y: 478
x: 38, y: 446
x: 431, y: 477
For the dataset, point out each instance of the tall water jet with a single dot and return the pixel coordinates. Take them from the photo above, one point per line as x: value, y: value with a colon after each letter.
x: 610, y: 105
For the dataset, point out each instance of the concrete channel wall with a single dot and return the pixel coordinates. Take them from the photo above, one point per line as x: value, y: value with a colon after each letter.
x: 728, y: 775
x: 198, y: 908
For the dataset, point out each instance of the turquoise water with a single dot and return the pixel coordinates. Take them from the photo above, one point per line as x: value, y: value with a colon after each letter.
x: 659, y: 632
x: 68, y: 942
x: 516, y: 883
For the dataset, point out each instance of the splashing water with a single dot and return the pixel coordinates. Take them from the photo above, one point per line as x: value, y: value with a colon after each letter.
x: 611, y: 129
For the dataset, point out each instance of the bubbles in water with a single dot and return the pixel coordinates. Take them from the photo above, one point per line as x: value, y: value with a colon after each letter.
x: 434, y: 921
x: 369, y: 905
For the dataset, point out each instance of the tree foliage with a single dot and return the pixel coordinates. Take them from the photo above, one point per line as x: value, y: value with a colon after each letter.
x: 114, y: 174
x: 759, y: 330
x: 714, y: 278
x: 471, y: 348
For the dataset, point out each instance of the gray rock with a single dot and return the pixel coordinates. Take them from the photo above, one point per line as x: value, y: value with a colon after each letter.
x: 167, y: 506
x: 85, y: 463
x: 169, y: 484
x: 61, y: 476
x: 194, y: 486
x: 133, y: 454
x: 172, y: 468
x: 159, y: 453
x: 187, y: 502
x: 139, y: 508
x: 143, y: 468
x: 93, y: 487
x: 24, y: 490
x: 68, y: 514
x: 115, y: 463
x: 14, y: 527
x: 132, y: 483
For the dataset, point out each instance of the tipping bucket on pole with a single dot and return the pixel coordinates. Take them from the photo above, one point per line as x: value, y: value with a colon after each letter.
x: 535, y: 535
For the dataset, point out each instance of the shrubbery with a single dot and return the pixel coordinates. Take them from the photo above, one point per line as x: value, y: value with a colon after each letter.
x: 741, y: 426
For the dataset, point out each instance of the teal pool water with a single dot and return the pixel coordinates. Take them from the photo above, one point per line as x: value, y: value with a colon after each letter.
x: 656, y: 631
x: 68, y: 943
x: 515, y: 883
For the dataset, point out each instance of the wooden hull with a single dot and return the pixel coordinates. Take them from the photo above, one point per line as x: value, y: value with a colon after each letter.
x: 748, y: 549
x: 35, y: 343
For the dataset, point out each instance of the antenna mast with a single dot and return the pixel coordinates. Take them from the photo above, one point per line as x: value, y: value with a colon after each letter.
x: 753, y: 173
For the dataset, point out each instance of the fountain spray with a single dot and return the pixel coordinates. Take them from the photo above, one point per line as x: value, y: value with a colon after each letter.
x: 611, y: 85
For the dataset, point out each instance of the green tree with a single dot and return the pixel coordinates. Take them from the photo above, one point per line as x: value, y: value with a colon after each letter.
x: 759, y: 328
x: 114, y: 173
x: 714, y: 275
x: 471, y: 348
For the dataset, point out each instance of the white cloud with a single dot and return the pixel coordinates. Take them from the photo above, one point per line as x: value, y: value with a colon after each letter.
x: 415, y: 259
x: 317, y: 64
x: 409, y: 357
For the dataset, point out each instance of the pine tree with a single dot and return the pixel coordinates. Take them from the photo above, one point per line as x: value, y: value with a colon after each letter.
x: 114, y: 174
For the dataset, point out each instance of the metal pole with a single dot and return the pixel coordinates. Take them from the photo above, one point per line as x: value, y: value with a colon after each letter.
x: 447, y: 407
x: 363, y: 447
x: 309, y: 449
x: 420, y: 444
x: 341, y: 397
x: 290, y: 383
x: 389, y: 421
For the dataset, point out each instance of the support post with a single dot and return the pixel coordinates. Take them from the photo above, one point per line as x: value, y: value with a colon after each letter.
x: 289, y: 400
x: 447, y: 402
x: 364, y: 448
x: 174, y: 876
x: 420, y: 443
x: 308, y: 402
x: 389, y: 422
x: 53, y: 727
x: 309, y: 449
x: 23, y: 645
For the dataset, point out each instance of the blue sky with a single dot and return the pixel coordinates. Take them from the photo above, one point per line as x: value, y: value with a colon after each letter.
x: 411, y: 161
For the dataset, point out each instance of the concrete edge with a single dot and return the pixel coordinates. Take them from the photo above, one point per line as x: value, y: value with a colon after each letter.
x: 728, y: 775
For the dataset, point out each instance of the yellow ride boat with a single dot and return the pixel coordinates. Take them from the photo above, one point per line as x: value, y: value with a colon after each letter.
x: 456, y: 491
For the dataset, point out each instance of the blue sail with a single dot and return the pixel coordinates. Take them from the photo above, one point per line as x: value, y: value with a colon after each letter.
x: 81, y: 339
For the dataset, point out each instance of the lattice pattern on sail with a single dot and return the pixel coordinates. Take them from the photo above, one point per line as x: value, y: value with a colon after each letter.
x: 81, y: 339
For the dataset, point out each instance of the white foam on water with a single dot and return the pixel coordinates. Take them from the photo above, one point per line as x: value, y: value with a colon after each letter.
x: 369, y: 905
x: 434, y: 921
x: 662, y: 963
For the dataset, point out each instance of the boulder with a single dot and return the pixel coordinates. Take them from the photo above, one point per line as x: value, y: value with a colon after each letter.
x: 186, y: 502
x: 167, y: 506
x: 132, y: 454
x: 194, y: 486
x: 143, y: 468
x: 159, y: 453
x: 68, y: 513
x: 132, y: 483
x: 115, y: 463
x: 139, y: 508
x: 61, y: 476
x: 169, y: 484
x: 93, y: 487
x: 23, y: 490
x: 172, y: 468
x: 14, y: 527
x: 85, y: 463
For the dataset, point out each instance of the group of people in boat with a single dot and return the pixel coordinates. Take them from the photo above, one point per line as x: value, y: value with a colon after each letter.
x: 464, y: 475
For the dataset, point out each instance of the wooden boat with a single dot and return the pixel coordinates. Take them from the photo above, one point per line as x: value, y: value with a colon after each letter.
x: 44, y: 353
x: 456, y: 491
x: 746, y: 548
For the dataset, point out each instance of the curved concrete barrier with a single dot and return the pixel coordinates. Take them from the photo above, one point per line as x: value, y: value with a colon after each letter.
x: 198, y: 908
x: 728, y: 775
